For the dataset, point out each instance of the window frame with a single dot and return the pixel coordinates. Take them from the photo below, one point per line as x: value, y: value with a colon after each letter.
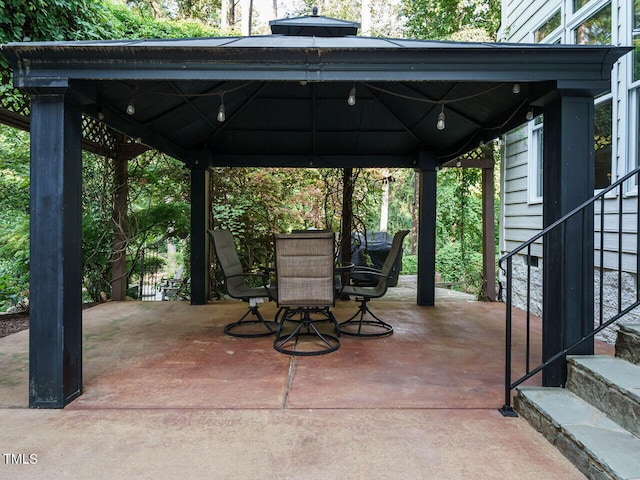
x: 536, y: 157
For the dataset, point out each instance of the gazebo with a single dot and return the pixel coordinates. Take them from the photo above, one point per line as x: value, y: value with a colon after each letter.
x: 312, y: 94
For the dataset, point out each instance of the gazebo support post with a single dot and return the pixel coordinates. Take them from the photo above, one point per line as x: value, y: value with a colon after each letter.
x: 488, y: 229
x: 199, y: 237
x: 567, y: 182
x: 55, y: 323
x: 427, y: 230
x: 120, y: 240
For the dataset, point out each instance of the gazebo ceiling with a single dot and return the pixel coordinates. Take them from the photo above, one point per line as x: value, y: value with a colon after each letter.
x: 285, y: 95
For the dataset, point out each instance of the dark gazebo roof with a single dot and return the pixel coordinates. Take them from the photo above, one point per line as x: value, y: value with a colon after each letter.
x: 285, y: 95
x: 314, y: 26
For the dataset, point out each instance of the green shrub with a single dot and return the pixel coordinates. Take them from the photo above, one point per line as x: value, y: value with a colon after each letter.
x: 409, y: 265
x: 455, y: 266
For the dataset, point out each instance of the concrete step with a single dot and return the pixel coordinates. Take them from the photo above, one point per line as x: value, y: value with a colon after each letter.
x: 628, y: 342
x: 595, y: 444
x: 610, y: 384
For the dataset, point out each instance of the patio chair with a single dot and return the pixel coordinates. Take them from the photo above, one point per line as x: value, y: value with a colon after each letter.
x: 305, y: 265
x: 364, y: 323
x: 235, y: 279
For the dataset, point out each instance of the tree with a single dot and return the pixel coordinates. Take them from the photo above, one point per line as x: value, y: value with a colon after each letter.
x: 14, y: 215
x: 444, y: 19
x: 156, y: 215
x: 206, y: 12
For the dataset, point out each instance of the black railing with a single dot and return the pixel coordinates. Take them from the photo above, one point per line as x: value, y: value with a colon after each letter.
x: 606, y: 198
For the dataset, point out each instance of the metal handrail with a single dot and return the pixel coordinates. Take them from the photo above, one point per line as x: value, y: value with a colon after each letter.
x: 507, y: 409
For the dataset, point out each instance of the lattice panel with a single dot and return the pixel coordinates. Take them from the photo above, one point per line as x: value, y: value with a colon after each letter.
x: 97, y: 137
x: 477, y: 154
x: 100, y: 136
x: 12, y: 99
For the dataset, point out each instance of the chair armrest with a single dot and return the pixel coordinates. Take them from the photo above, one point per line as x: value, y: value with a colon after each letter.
x: 263, y: 276
x: 368, y: 271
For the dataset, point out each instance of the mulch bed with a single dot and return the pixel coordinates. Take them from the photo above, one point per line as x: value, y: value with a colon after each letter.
x: 11, y: 323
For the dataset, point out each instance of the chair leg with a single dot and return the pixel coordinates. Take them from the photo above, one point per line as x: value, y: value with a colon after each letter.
x: 372, y: 328
x: 235, y: 329
x: 291, y: 343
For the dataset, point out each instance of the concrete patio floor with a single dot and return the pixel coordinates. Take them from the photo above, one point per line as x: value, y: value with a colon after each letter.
x: 168, y: 395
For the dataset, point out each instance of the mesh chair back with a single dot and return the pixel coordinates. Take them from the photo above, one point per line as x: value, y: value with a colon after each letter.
x: 392, y: 257
x: 229, y: 261
x: 305, y: 269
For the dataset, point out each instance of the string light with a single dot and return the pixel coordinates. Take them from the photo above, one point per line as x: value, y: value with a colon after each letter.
x: 529, y: 115
x: 516, y: 88
x: 352, y: 97
x: 222, y: 116
x: 440, y: 125
x: 131, y: 110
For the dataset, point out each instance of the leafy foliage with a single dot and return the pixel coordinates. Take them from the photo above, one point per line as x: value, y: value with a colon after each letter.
x: 252, y: 203
x: 39, y: 20
x: 14, y: 215
x: 158, y: 212
x: 443, y: 19
x: 127, y: 23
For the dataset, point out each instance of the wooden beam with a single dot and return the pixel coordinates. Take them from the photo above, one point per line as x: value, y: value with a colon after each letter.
x: 427, y: 231
x: 488, y: 231
x: 119, y: 279
x: 199, y: 236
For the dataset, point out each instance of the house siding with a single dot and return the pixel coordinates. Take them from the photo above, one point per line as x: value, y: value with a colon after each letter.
x: 521, y: 218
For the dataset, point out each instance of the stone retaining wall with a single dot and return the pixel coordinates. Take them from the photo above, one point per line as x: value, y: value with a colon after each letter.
x: 609, y: 294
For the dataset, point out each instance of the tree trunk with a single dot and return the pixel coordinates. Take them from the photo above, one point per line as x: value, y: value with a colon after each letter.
x: 384, y: 202
x: 365, y: 18
x: 247, y: 11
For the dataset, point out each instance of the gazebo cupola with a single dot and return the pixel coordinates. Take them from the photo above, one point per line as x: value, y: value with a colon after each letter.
x: 313, y: 25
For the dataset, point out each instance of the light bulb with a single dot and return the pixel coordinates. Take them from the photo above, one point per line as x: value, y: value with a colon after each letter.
x: 222, y: 116
x: 529, y: 115
x: 352, y: 97
x: 131, y: 110
x: 100, y: 116
x: 516, y: 88
x: 458, y: 163
x: 440, y: 125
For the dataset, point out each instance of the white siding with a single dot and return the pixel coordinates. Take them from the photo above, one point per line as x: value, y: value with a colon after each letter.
x: 520, y: 18
x: 521, y: 219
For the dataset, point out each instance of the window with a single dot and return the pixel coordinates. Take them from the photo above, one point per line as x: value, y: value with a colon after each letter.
x: 536, y: 136
x: 548, y: 27
x: 636, y: 40
x: 603, y: 143
x: 578, y: 4
x: 595, y: 30
x: 634, y: 93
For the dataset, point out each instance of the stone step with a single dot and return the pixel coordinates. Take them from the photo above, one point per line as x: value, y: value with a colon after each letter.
x: 595, y: 444
x: 610, y: 384
x: 628, y: 342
